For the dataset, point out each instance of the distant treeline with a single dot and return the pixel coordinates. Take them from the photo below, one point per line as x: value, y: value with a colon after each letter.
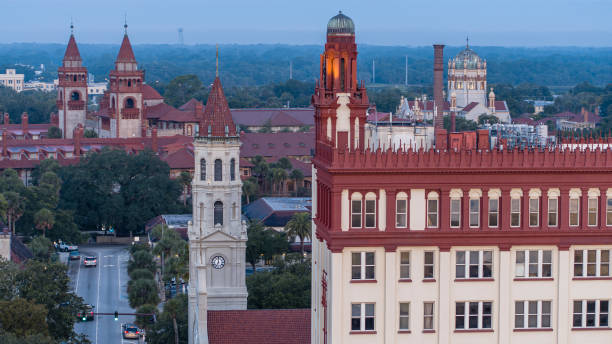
x: 251, y: 65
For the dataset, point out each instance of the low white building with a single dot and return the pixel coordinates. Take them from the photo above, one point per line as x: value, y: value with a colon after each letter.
x: 12, y: 79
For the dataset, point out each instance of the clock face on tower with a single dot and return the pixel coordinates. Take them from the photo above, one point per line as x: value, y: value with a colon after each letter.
x: 217, y: 262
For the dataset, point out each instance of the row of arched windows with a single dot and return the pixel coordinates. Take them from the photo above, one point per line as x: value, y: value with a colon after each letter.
x: 218, y: 170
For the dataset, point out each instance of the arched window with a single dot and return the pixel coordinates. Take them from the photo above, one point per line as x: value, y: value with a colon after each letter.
x: 129, y: 103
x: 75, y: 78
x: 75, y: 96
x: 218, y: 170
x: 218, y: 213
x: 203, y: 169
x: 233, y: 169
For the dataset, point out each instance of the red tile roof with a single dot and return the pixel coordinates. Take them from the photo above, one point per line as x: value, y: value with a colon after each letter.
x: 126, y: 54
x: 181, y: 159
x: 469, y: 107
x: 72, y: 51
x: 500, y: 105
x: 217, y: 115
x: 277, y: 144
x: 254, y: 326
x: 149, y: 92
x: 190, y: 105
x: 278, y: 117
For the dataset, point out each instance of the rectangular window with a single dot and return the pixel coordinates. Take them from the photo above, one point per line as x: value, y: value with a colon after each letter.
x: 593, y: 211
x: 532, y: 314
x: 493, y: 212
x: 362, y: 317
x: 552, y: 212
x: 455, y: 212
x: 428, y: 267
x: 362, y: 265
x: 432, y: 213
x: 405, y: 265
x: 591, y: 263
x: 574, y: 209
x: 404, y: 316
x: 515, y: 212
x: 370, y: 213
x: 428, y: 315
x: 401, y: 213
x: 591, y: 313
x: 533, y: 264
x: 356, y: 213
x: 474, y: 264
x: 534, y: 212
x: 473, y: 315
x: 609, y: 212
x: 474, y: 213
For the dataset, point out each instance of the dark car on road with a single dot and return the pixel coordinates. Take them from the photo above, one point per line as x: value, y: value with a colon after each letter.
x: 130, y: 331
x: 75, y: 255
x: 86, y: 314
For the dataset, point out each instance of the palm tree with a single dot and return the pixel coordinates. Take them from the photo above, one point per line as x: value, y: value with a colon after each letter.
x: 299, y: 226
x: 249, y: 189
x: 279, y: 175
x: 14, y: 210
x: 44, y: 219
x: 297, y: 176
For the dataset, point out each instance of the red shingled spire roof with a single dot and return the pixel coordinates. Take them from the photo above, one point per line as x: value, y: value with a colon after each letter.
x: 217, y: 115
x: 72, y: 51
x: 125, y: 52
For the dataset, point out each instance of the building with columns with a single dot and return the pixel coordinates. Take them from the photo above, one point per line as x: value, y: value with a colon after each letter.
x: 217, y: 235
x: 461, y: 243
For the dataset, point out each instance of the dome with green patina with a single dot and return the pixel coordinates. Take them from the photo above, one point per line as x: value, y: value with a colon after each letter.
x: 467, y: 59
x: 340, y: 25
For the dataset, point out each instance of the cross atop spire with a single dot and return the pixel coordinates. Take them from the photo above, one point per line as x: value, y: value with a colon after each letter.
x: 467, y: 42
x: 71, y: 26
x: 125, y: 26
x: 217, y: 62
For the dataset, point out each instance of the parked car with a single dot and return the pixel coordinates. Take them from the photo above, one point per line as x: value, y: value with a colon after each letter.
x: 74, y: 255
x: 62, y: 246
x: 87, y: 313
x: 130, y: 331
x: 90, y: 261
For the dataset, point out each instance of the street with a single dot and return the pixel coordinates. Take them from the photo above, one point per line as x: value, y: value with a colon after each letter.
x: 105, y: 287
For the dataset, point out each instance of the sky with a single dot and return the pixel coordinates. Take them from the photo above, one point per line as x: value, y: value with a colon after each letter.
x: 379, y: 22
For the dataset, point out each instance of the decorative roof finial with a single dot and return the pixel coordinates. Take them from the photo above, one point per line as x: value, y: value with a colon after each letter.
x: 125, y: 26
x: 71, y: 26
x: 217, y: 62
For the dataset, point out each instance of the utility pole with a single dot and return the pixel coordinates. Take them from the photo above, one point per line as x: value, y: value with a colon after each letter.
x: 290, y: 70
x: 406, y: 80
x: 373, y: 71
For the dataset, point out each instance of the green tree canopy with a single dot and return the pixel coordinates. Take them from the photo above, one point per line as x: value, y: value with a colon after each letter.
x: 23, y: 317
x: 299, y: 226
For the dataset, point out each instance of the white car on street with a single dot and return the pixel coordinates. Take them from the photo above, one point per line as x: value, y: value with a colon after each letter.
x: 90, y: 261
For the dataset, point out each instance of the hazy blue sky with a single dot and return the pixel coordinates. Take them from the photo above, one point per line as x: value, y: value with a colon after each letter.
x: 385, y: 22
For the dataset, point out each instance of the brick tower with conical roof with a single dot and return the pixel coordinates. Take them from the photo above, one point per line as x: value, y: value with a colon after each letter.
x: 125, y: 93
x: 217, y: 234
x: 71, y: 89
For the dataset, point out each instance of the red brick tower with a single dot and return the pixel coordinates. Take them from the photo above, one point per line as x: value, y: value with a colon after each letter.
x: 72, y: 89
x: 125, y: 93
x: 340, y: 102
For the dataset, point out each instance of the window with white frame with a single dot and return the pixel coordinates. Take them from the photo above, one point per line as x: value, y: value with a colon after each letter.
x: 404, y: 316
x: 362, y: 266
x: 428, y: 266
x: 432, y: 213
x: 493, y: 212
x: 591, y: 313
x: 362, y: 317
x: 370, y: 213
x: 356, y: 213
x: 455, y: 212
x: 553, y: 212
x: 574, y: 211
x: 532, y: 314
x: 534, y: 212
x: 609, y: 212
x: 473, y: 315
x: 593, y: 208
x: 515, y: 212
x: 533, y: 264
x: 405, y: 265
x: 428, y: 315
x: 401, y: 213
x: 474, y: 212
x: 591, y: 263
x: 474, y: 264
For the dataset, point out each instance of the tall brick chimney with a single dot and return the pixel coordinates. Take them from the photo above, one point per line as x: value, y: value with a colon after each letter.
x: 4, y: 143
x: 24, y: 122
x: 7, y: 119
x: 437, y: 86
x: 585, y: 115
x: 154, y: 146
x: 78, y: 134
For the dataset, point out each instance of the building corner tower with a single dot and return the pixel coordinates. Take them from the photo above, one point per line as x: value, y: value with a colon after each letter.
x: 217, y: 234
x: 71, y: 89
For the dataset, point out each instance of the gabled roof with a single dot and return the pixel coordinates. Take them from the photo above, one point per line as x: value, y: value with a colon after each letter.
x: 126, y: 54
x: 149, y: 92
x: 500, y: 105
x: 181, y: 159
x: 470, y: 107
x: 217, y: 115
x: 259, y: 326
x: 277, y: 144
x: 277, y: 211
x: 190, y: 105
x: 72, y: 51
x: 278, y: 116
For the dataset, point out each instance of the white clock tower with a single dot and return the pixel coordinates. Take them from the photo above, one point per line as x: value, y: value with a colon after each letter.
x: 217, y: 235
